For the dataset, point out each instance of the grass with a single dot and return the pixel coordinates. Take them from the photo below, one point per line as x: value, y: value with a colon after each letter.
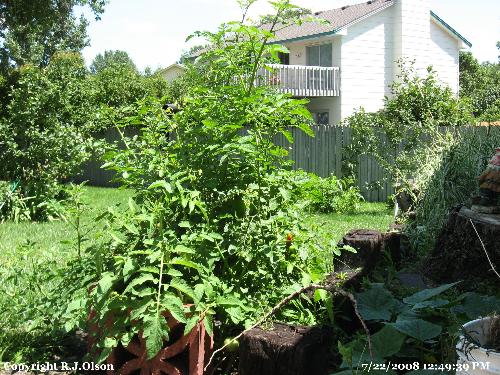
x: 46, y: 237
x: 32, y: 256
x: 334, y: 226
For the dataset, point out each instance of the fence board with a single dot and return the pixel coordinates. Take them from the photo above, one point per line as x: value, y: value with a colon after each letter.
x: 321, y: 155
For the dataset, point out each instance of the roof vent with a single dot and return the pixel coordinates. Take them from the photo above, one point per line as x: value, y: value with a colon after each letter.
x: 369, y: 2
x: 345, y: 7
x: 317, y: 13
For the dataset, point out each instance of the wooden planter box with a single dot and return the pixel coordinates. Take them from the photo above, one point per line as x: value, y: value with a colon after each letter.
x: 181, y: 355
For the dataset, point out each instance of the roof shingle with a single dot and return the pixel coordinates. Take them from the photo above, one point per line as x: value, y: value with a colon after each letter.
x: 337, y: 18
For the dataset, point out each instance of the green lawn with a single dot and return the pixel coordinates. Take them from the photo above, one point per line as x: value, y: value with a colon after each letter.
x: 369, y: 216
x: 46, y: 237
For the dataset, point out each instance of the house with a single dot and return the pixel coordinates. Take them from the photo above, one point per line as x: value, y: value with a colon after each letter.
x: 351, y: 61
x: 172, y: 72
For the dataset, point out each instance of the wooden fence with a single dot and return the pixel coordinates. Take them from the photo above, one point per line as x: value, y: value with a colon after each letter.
x: 321, y: 154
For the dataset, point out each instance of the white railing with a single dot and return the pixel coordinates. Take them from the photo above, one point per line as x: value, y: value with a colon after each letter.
x: 300, y: 80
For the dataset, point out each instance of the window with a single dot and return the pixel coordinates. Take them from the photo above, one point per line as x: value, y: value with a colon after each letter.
x: 320, y: 55
x: 284, y: 58
x: 321, y: 117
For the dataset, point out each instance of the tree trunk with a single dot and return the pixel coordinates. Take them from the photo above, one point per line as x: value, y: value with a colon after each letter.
x: 368, y: 244
x: 285, y: 350
x: 459, y: 255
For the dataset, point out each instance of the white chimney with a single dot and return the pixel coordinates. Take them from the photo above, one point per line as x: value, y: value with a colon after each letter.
x: 412, y: 32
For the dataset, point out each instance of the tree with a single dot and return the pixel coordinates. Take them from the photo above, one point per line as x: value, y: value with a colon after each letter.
x: 112, y: 59
x: 31, y: 31
x: 480, y: 83
x: 45, y: 137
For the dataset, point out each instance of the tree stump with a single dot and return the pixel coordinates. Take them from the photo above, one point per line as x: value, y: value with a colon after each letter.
x: 285, y: 350
x: 458, y: 253
x: 368, y: 244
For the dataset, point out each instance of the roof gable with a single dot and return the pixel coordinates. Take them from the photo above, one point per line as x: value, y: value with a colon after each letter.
x: 338, y: 19
x: 344, y: 17
x: 450, y: 29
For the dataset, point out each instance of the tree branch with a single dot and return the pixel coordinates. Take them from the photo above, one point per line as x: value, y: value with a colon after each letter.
x: 332, y: 288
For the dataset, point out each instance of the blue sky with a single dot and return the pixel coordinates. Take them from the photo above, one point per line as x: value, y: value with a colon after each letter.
x: 153, y: 32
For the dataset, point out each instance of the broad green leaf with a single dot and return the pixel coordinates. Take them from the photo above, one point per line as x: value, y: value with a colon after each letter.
x: 174, y: 273
x: 228, y: 301
x: 186, y: 263
x: 183, y: 249
x: 155, y: 331
x: 236, y: 314
x: 417, y: 328
x: 163, y: 184
x: 431, y: 304
x: 387, y: 342
x: 184, y: 224
x: 476, y: 305
x: 174, y: 305
x: 105, y: 283
x: 377, y: 303
x: 128, y: 268
x: 199, y: 290
x: 426, y: 294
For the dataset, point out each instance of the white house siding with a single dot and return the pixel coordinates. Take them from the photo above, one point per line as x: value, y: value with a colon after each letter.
x: 298, y: 57
x: 172, y: 73
x: 444, y: 55
x: 367, y: 63
x: 412, y: 33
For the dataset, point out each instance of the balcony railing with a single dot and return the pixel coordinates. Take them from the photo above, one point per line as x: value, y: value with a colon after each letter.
x: 300, y: 80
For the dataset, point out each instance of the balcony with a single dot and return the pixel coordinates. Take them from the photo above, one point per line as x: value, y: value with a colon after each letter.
x: 299, y: 80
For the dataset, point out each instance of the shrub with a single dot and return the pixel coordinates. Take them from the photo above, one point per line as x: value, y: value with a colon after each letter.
x: 44, y: 137
x: 397, y: 135
x: 326, y: 195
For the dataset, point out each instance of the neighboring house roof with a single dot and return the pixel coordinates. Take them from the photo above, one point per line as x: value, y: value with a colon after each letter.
x: 341, y: 18
x: 175, y: 65
x: 338, y: 19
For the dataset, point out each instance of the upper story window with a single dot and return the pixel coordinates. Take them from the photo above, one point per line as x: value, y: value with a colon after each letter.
x: 320, y: 55
x: 284, y: 58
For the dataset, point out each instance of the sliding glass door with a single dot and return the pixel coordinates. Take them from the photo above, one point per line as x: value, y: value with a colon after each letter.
x: 319, y: 55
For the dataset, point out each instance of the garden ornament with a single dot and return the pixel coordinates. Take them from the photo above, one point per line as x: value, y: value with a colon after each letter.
x: 489, y: 188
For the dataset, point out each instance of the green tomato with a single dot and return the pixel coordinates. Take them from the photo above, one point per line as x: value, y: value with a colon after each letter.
x: 232, y: 345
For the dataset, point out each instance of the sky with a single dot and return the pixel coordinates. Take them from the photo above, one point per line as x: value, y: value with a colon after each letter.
x: 154, y: 32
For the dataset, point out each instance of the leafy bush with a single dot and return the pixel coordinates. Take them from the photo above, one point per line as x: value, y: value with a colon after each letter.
x: 326, y: 195
x: 118, y: 82
x: 480, y: 83
x: 398, y: 134
x: 44, y: 137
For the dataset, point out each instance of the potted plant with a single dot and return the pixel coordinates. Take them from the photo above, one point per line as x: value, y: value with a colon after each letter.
x: 478, y: 349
